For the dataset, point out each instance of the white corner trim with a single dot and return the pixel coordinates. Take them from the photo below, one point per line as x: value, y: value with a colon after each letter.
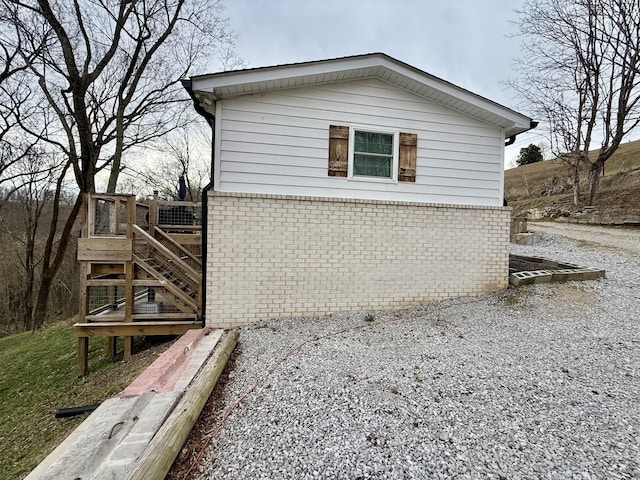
x: 217, y: 146
x: 502, y: 157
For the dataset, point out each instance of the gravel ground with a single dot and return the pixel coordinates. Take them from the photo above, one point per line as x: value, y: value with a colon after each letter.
x: 540, y: 381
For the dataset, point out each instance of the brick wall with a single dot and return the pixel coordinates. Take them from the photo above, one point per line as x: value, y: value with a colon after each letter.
x: 272, y: 256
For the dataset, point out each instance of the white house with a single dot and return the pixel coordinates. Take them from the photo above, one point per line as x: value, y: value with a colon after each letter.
x: 354, y: 183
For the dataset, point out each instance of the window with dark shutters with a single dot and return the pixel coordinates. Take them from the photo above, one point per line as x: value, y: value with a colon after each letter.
x: 339, y: 157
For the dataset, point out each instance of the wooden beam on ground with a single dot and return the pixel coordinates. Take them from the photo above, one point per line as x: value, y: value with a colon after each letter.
x: 161, y: 452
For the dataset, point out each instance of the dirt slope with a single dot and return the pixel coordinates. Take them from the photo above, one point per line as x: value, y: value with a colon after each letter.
x: 547, y: 185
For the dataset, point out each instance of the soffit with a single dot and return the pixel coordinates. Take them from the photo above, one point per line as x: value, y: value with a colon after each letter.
x: 209, y: 88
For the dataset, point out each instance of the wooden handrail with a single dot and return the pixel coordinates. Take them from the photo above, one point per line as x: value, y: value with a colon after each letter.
x: 167, y: 253
x: 109, y: 196
x: 177, y: 245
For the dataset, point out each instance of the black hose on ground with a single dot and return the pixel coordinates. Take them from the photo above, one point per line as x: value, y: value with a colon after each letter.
x: 73, y: 411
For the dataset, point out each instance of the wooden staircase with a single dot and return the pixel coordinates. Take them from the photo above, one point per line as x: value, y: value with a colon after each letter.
x: 154, y: 261
x: 135, y: 281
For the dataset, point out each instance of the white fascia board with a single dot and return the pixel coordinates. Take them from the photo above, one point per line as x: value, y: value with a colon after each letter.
x: 518, y: 120
x: 209, y: 83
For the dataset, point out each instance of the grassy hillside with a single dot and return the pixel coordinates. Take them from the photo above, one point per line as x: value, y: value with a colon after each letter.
x: 548, y: 184
x: 37, y: 377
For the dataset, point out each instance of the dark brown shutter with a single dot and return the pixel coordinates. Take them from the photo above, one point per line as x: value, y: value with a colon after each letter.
x: 338, y: 151
x: 407, y: 157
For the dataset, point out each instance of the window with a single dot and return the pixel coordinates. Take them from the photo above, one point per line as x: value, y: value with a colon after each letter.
x: 372, y: 154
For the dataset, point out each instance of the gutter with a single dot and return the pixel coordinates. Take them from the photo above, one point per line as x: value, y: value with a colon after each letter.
x: 211, y: 120
x: 532, y: 124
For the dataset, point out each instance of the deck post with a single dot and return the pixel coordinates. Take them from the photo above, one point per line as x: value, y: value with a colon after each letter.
x: 83, y: 301
x: 83, y: 355
x: 128, y: 342
x: 153, y: 213
x: 114, y: 218
x: 112, y: 347
x: 128, y: 306
x: 128, y: 275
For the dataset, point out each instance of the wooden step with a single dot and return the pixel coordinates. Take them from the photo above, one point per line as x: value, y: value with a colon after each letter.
x: 163, y: 317
x: 168, y: 285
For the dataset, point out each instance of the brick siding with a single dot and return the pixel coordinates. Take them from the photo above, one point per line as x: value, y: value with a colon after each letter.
x: 271, y: 256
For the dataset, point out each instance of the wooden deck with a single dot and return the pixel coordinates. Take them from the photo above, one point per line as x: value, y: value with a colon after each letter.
x: 140, y: 270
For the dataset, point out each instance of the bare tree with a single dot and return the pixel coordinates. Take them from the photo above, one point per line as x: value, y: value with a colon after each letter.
x: 16, y: 98
x: 21, y: 226
x: 184, y: 152
x: 580, y: 72
x: 108, y: 72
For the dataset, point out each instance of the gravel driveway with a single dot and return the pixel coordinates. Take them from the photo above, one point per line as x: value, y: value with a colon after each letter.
x: 625, y: 240
x: 541, y: 381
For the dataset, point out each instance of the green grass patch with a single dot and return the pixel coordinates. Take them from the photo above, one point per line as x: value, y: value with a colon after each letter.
x: 38, y: 376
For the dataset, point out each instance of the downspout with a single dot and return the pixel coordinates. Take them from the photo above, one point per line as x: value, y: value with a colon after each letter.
x: 211, y: 120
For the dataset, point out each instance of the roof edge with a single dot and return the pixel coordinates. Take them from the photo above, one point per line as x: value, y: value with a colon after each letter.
x: 212, y: 83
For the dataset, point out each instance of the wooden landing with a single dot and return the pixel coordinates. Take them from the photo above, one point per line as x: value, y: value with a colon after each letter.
x: 128, y: 329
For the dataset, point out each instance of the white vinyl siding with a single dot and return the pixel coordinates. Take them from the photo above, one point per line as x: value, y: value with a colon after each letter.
x: 278, y: 143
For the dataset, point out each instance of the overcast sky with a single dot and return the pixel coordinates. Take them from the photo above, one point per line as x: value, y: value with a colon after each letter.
x: 465, y: 42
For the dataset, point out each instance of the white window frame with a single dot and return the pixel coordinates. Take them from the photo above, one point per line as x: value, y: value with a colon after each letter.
x: 396, y: 153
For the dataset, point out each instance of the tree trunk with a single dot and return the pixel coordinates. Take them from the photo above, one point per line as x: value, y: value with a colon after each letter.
x: 594, y: 180
x: 27, y: 295
x: 576, y: 184
x: 27, y: 301
x: 51, y: 263
x: 42, y: 304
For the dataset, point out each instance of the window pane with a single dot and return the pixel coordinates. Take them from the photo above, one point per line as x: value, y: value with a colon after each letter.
x: 372, y: 166
x: 372, y: 142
